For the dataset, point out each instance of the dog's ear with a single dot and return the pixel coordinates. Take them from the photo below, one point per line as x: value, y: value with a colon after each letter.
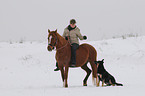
x: 102, y: 61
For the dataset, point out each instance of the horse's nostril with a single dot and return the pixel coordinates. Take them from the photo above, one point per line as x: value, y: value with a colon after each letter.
x: 49, y: 48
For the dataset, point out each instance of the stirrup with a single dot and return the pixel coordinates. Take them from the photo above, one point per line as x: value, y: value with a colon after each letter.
x: 73, y: 64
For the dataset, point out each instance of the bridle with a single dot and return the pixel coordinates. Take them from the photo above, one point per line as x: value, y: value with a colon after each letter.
x: 53, y: 46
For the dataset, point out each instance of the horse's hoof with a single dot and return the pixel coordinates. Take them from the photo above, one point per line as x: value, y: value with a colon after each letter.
x: 84, y: 84
x: 66, y: 86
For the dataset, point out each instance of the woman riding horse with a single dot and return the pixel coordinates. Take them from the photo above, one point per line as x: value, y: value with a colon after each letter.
x: 72, y: 33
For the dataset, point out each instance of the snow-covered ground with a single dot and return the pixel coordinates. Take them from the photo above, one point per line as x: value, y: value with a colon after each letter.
x: 27, y: 70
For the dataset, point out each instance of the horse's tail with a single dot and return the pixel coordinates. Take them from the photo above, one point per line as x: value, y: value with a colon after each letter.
x: 92, y: 58
x: 95, y: 80
x: 118, y: 84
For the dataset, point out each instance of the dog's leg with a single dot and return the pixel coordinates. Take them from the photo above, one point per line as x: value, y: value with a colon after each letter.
x: 100, y: 75
x: 98, y: 82
x: 111, y: 83
x: 103, y: 82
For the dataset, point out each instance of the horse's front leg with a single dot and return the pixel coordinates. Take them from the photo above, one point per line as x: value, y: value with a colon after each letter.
x: 66, y: 76
x: 62, y: 72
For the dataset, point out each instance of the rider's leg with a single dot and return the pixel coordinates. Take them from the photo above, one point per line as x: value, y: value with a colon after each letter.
x: 73, y: 53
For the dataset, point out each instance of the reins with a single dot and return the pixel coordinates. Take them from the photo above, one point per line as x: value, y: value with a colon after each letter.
x: 61, y: 47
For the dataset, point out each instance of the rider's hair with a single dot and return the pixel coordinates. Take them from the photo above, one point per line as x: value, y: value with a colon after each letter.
x: 72, y: 21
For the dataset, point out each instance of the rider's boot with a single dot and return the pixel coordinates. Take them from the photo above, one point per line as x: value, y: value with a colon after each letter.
x: 56, y: 69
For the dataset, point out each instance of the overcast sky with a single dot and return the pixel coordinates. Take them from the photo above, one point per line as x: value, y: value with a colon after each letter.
x: 98, y: 19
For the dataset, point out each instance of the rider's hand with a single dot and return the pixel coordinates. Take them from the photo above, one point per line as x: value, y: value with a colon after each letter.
x: 84, y: 37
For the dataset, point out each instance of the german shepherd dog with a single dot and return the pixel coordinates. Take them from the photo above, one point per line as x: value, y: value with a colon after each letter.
x: 104, y: 76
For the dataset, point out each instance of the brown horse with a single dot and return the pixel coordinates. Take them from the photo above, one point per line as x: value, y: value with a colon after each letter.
x: 84, y: 54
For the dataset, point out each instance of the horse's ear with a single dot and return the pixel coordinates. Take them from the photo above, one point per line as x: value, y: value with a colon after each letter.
x: 102, y: 59
x: 48, y: 31
x: 56, y: 31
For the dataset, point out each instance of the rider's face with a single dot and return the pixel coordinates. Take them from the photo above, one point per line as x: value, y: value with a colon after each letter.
x: 72, y: 25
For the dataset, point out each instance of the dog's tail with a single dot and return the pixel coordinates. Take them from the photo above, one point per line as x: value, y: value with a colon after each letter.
x: 118, y: 84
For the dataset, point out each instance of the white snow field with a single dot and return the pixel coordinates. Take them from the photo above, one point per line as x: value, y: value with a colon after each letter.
x: 27, y: 70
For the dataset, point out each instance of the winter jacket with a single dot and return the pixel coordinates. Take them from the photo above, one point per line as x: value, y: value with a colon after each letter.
x: 73, y: 35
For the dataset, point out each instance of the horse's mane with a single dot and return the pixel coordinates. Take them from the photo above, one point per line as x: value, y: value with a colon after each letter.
x: 60, y: 39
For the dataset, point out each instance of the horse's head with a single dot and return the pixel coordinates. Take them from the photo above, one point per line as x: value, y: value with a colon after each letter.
x: 52, y: 40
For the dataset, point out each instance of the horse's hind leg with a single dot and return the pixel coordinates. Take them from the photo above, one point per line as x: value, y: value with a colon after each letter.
x: 85, y: 67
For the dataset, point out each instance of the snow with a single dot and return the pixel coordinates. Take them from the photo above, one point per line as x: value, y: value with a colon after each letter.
x: 26, y: 69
